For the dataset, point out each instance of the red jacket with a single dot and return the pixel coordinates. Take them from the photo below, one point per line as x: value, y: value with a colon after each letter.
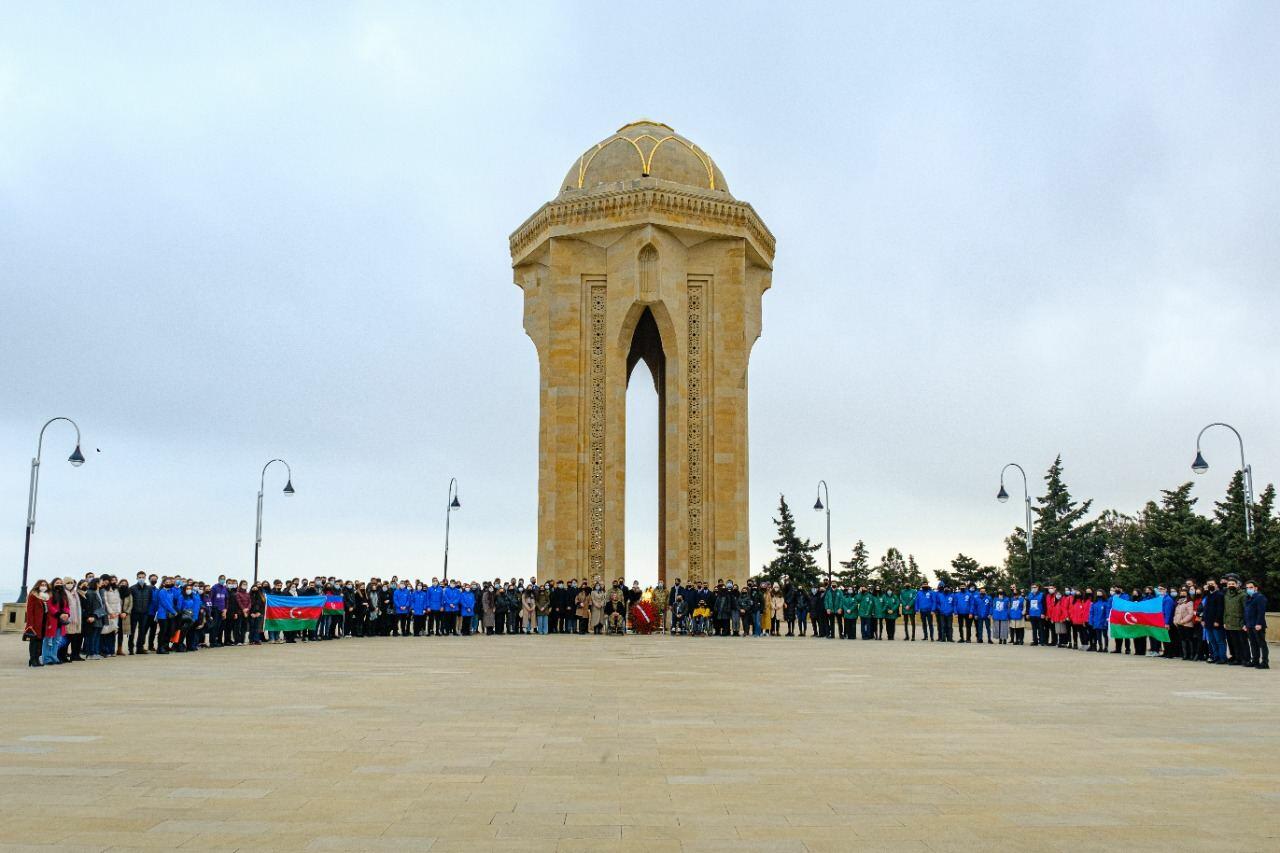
x: 1058, y: 609
x: 42, y: 617
x: 1080, y: 611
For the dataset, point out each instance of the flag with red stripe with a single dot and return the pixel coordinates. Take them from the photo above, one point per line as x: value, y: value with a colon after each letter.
x: 1138, y: 619
x: 293, y: 612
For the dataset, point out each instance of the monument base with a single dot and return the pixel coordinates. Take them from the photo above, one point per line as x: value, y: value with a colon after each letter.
x: 12, y: 618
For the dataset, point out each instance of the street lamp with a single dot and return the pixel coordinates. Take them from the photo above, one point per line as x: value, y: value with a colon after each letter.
x: 76, y: 459
x: 1200, y: 466
x: 1003, y: 497
x: 822, y: 489
x: 288, y: 490
x: 450, y: 506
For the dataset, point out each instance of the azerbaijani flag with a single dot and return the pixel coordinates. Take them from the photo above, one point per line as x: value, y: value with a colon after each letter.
x: 1138, y: 619
x: 293, y: 612
x: 333, y: 605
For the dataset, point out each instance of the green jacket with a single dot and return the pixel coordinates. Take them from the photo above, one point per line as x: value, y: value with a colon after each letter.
x: 889, y: 606
x: 877, y: 606
x: 908, y: 599
x: 849, y: 603
x: 1233, y: 609
x: 866, y: 604
x: 831, y: 600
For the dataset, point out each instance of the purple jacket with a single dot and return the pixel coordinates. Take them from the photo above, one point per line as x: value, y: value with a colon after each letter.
x: 218, y: 597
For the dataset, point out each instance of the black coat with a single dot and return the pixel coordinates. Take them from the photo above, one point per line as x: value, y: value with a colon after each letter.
x: 1213, y: 607
x: 139, y: 599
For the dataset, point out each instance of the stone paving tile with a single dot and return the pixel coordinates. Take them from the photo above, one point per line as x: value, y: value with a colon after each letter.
x: 567, y: 744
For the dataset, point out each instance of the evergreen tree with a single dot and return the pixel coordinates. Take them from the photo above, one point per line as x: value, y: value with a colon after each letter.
x: 1173, y: 542
x: 1068, y: 550
x: 856, y: 571
x: 1123, y: 549
x: 914, y: 578
x: 891, y: 570
x: 897, y: 573
x: 1267, y: 530
x: 968, y: 571
x: 795, y: 555
x: 1235, y: 551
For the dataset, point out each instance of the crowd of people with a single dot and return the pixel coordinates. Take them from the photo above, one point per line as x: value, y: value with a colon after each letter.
x: 1219, y: 622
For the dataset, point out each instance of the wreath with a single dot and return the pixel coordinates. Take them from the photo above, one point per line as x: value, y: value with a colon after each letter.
x: 644, y: 619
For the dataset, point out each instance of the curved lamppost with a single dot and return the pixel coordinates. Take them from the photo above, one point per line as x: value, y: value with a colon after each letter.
x: 1200, y: 466
x: 450, y: 505
x: 76, y: 459
x: 288, y: 490
x: 819, y: 506
x: 1003, y: 497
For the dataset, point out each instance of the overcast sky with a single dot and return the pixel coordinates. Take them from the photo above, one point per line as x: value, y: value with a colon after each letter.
x: 243, y: 231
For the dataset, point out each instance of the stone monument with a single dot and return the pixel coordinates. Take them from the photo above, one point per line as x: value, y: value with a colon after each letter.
x: 644, y: 254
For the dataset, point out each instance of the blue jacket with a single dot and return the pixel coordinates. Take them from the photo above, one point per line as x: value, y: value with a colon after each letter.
x: 944, y: 603
x: 1035, y: 605
x: 402, y: 599
x: 1255, y: 611
x: 924, y: 601
x: 1167, y: 606
x: 1098, y: 614
x: 1000, y: 609
x: 419, y: 600
x: 192, y: 602
x: 1017, y: 607
x: 153, y: 603
x: 467, y: 602
x: 166, y: 602
x: 435, y: 597
x: 964, y: 603
x: 982, y: 605
x: 452, y: 597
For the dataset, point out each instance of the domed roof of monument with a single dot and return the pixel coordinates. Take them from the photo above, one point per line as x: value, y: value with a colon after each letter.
x: 645, y: 149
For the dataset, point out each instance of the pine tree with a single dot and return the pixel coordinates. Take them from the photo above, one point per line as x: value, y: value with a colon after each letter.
x: 795, y: 555
x: 1235, y: 551
x: 914, y: 578
x: 1124, y: 549
x: 969, y: 571
x: 891, y: 569
x: 1175, y: 542
x: 1266, y: 527
x: 856, y: 571
x: 896, y: 572
x: 1068, y: 550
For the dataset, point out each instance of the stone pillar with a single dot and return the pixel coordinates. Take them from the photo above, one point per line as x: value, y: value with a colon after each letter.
x: 644, y: 269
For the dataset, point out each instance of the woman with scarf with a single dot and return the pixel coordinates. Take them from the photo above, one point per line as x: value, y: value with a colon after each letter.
x: 72, y: 640
x: 598, y: 601
x: 94, y: 611
x: 126, y: 614
x: 41, y: 624
x: 111, y: 623
x: 528, y: 610
x: 582, y: 609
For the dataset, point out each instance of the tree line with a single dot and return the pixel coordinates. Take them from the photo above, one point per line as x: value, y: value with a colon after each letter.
x: 1167, y: 541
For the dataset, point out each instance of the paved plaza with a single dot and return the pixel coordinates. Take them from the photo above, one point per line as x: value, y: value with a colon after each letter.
x: 642, y: 743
